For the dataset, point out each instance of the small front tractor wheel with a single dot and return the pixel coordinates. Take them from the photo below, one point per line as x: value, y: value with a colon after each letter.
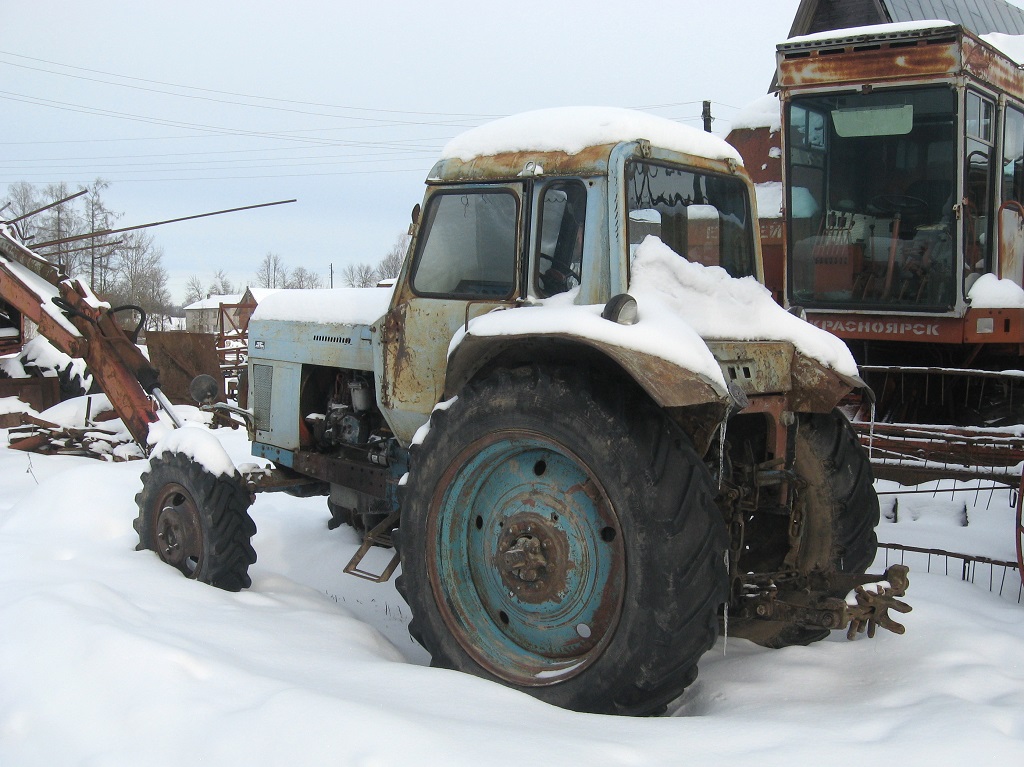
x: 196, y: 521
x: 561, y: 537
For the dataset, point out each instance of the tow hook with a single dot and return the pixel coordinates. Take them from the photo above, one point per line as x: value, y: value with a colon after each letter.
x: 872, y: 602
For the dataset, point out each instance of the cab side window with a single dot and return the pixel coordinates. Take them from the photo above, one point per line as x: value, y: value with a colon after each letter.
x: 559, y: 262
x: 468, y: 246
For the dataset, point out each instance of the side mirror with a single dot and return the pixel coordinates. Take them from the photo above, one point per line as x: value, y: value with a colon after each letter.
x: 204, y: 389
x: 415, y: 219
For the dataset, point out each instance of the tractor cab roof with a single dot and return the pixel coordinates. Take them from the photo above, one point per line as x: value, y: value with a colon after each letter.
x: 566, y: 141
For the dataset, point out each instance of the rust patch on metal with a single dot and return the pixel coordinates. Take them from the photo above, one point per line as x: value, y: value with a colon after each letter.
x: 867, y: 62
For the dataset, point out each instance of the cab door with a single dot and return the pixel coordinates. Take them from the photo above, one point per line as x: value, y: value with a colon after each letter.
x: 466, y: 261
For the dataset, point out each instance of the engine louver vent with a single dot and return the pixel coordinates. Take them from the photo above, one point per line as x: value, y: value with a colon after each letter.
x: 262, y: 387
x: 333, y: 339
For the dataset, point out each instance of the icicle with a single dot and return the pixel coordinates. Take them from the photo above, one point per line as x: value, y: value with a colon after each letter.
x: 721, y: 453
x: 725, y: 610
x: 871, y: 431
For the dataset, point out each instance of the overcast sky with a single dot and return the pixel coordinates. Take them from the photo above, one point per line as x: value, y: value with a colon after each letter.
x: 190, y: 107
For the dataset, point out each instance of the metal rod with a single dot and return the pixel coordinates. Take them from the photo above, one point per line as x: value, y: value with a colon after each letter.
x: 47, y: 207
x: 166, y: 405
x: 157, y: 223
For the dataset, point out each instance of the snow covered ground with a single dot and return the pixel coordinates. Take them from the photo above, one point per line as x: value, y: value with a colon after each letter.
x: 108, y: 657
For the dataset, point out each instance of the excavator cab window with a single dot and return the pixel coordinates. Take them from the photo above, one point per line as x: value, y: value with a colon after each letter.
x: 1010, y: 220
x: 872, y: 195
x: 977, y: 200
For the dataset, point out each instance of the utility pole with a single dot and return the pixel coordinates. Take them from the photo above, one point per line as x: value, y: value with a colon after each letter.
x: 706, y: 116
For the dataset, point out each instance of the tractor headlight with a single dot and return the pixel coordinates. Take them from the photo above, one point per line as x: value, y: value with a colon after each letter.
x: 621, y: 309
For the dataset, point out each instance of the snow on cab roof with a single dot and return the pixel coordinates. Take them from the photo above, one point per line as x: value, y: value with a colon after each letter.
x: 874, y: 30
x: 572, y: 129
x: 1011, y: 46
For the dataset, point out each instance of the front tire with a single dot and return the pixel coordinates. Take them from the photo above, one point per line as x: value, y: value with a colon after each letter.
x: 840, y: 512
x: 563, y: 539
x: 196, y: 521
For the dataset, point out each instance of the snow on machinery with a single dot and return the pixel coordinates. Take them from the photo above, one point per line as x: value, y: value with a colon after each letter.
x: 577, y: 477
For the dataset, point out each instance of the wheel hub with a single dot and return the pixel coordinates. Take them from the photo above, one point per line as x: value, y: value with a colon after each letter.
x: 179, y: 540
x: 533, y: 558
x: 170, y: 532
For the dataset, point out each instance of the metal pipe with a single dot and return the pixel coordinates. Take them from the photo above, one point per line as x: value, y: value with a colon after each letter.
x: 166, y: 405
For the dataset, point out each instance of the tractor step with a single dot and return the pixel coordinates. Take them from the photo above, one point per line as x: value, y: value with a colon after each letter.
x: 379, y: 536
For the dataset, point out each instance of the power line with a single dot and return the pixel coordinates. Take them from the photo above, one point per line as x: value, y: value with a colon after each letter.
x: 286, y: 136
x: 221, y: 93
x: 419, y: 170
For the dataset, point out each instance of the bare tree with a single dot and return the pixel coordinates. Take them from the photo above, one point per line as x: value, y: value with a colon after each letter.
x: 272, y: 272
x: 391, y: 264
x: 99, y: 250
x: 23, y: 198
x: 58, y: 223
x: 303, y: 278
x: 359, y: 276
x: 139, y: 278
x: 221, y: 284
x: 194, y: 290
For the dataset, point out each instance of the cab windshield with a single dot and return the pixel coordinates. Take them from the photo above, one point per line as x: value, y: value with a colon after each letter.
x: 704, y: 217
x: 872, y: 185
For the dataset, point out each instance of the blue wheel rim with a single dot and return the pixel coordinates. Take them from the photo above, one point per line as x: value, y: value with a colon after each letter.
x: 526, y: 559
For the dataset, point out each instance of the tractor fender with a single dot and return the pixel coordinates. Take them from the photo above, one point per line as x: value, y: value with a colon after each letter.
x: 660, y: 371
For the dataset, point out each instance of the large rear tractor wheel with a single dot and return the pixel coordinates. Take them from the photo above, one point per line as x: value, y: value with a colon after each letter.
x: 196, y: 521
x: 839, y: 509
x: 561, y: 537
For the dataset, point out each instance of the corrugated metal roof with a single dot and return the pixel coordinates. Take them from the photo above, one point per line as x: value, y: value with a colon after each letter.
x: 979, y: 16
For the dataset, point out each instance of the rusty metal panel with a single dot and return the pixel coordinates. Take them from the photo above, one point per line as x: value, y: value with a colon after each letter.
x: 992, y: 67
x: 761, y: 149
x: 868, y: 63
x: 180, y: 356
x: 994, y: 326
x: 890, y: 327
x: 757, y: 367
x: 591, y: 161
x: 39, y: 393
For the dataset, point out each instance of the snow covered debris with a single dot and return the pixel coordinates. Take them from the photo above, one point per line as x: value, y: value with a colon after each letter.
x: 14, y: 405
x: 719, y: 307
x: 352, y: 306
x: 44, y: 355
x: 990, y: 292
x: 572, y: 129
